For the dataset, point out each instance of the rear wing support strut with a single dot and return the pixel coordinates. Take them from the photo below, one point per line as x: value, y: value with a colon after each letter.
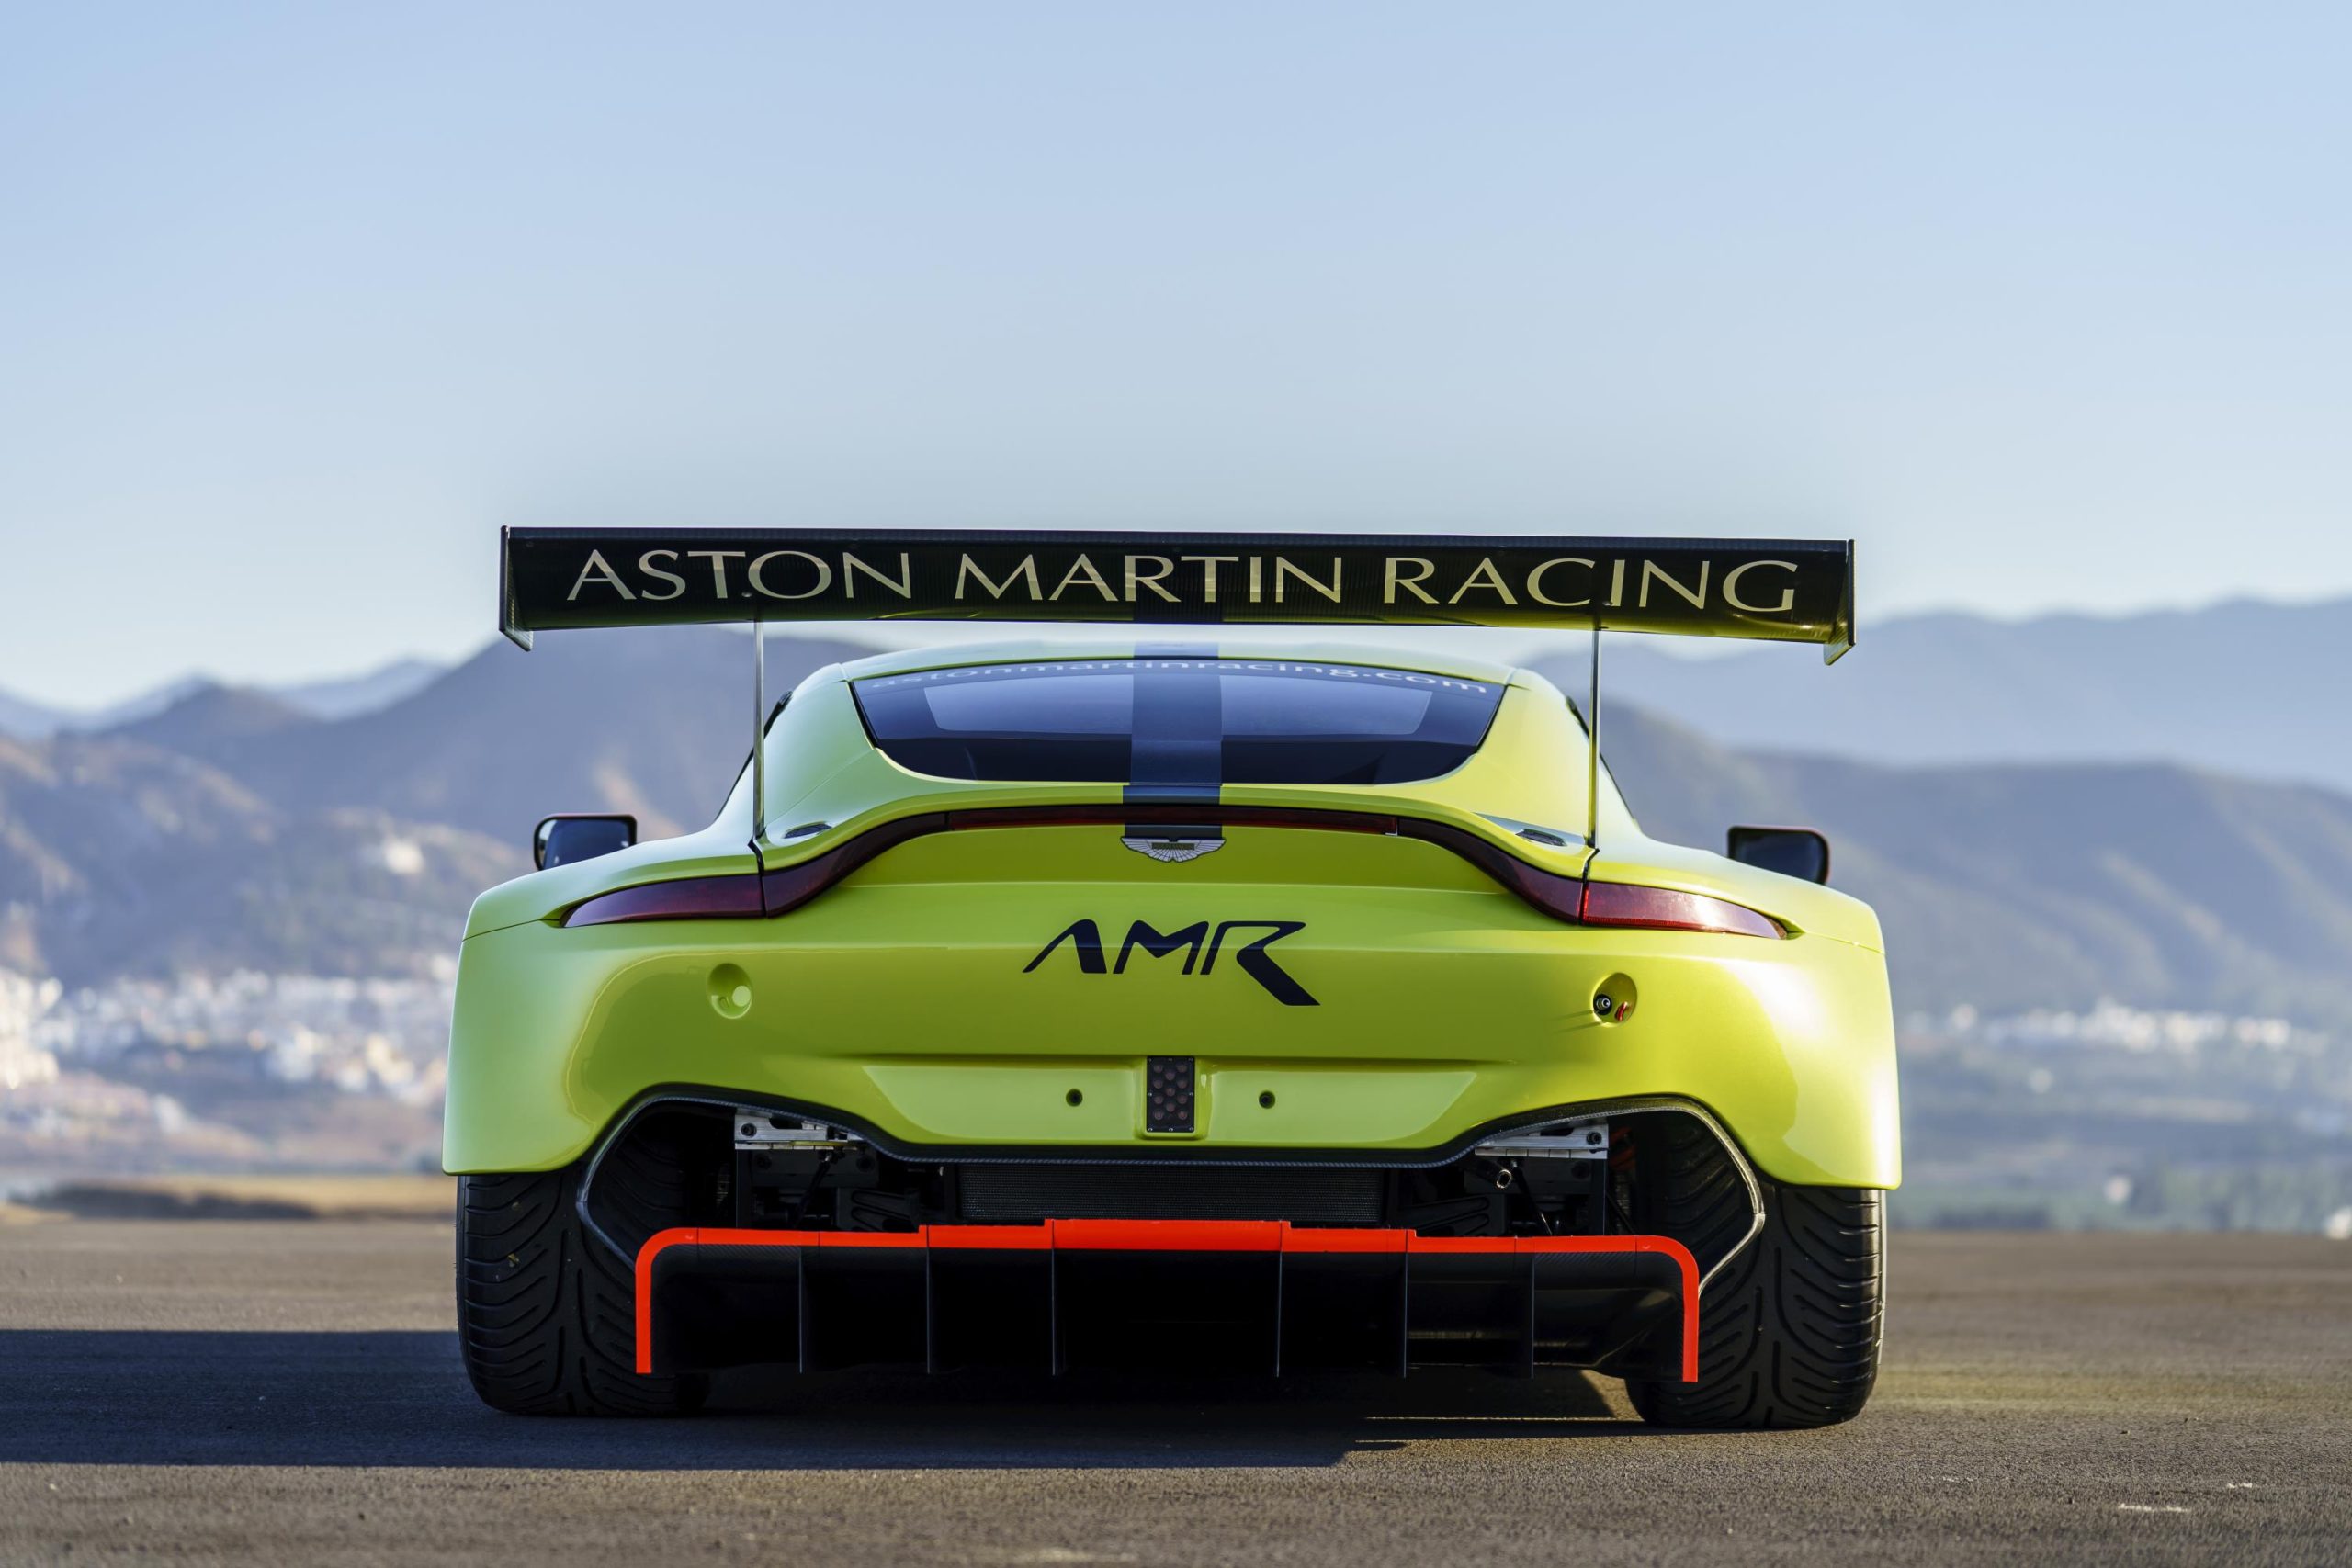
x: 1592, y: 755
x: 760, y: 735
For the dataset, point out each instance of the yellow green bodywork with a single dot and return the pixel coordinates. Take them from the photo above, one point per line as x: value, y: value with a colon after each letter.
x: 1443, y: 1003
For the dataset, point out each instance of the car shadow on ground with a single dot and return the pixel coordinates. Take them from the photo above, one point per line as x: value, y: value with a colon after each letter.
x: 401, y: 1399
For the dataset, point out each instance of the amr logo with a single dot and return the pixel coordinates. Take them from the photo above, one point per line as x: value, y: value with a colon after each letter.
x: 1200, y: 945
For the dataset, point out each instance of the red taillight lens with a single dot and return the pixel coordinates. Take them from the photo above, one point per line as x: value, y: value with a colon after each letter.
x: 1663, y: 909
x: 785, y: 890
x: 1561, y: 897
x: 1554, y: 894
x: 688, y: 898
x: 749, y: 897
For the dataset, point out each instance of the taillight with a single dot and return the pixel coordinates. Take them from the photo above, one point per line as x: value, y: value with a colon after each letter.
x: 777, y: 892
x: 1564, y: 897
x: 687, y: 898
x: 1663, y: 909
x: 1555, y: 894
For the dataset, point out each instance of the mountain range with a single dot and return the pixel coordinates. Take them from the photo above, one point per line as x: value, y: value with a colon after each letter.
x: 2008, y: 887
x: 233, y: 827
x: 2240, y: 687
x: 336, y: 698
x: 2245, y: 687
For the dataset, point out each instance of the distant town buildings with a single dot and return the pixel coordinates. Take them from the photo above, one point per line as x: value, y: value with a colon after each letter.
x: 2112, y: 1025
x: 23, y: 1001
x: 209, y: 1069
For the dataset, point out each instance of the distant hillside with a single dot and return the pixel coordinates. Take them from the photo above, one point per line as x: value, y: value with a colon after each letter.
x: 654, y: 721
x: 2018, y: 887
x: 23, y: 719
x: 213, y: 720
x: 2245, y: 688
x: 121, y: 858
x: 230, y: 829
x: 337, y: 697
x: 363, y: 693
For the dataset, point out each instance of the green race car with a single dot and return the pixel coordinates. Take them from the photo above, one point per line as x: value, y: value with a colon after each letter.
x: 1178, y: 997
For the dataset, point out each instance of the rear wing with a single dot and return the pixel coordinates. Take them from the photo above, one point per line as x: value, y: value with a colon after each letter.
x: 1773, y: 590
x: 1769, y: 590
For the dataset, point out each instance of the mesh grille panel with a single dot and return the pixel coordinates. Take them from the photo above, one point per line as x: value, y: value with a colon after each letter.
x: 1022, y: 1192
x: 1168, y: 1094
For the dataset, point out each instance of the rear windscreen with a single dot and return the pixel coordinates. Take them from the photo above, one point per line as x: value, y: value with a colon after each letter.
x: 1179, y: 725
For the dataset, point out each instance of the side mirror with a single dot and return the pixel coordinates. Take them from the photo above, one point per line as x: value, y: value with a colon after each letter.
x: 576, y: 836
x: 1792, y: 852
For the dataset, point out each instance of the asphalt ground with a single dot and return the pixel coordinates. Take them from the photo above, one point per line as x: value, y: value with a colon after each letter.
x: 219, y: 1391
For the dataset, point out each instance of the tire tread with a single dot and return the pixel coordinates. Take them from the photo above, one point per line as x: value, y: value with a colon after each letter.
x: 546, y: 1314
x: 1789, y: 1329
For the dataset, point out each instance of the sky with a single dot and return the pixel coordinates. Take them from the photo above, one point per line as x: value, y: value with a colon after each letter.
x: 2045, y: 306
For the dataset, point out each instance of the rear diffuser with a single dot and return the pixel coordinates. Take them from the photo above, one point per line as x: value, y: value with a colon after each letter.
x: 1241, y: 1294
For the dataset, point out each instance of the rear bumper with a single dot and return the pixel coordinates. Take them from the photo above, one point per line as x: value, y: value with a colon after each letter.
x: 1474, y: 1016
x: 1246, y: 1295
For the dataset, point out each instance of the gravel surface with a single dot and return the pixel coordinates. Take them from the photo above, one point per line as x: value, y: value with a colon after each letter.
x: 237, y: 1392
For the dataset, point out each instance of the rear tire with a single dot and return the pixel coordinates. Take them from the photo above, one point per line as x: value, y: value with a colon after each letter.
x: 546, y: 1314
x: 1789, y: 1331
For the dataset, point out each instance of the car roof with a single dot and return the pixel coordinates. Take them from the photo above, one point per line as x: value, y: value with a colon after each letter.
x: 1177, y: 642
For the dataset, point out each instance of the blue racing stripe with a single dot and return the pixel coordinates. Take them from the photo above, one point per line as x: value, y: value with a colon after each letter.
x: 1178, y: 755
